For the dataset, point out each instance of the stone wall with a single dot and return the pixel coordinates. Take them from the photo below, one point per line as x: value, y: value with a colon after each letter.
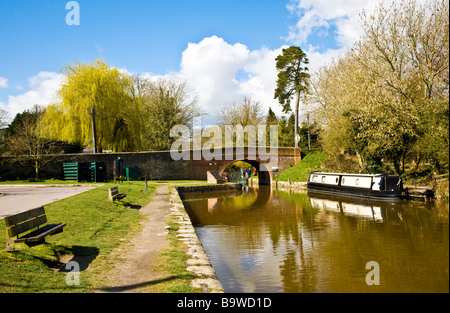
x: 213, y: 178
x: 207, y: 188
x: 153, y: 165
x: 289, y: 186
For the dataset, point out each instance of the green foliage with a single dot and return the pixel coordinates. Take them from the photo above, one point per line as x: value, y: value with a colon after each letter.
x: 131, y: 113
x: 286, y: 131
x: 271, y: 118
x: 14, y: 127
x: 292, y: 76
x: 165, y: 103
x: 386, y: 101
x: 344, y: 163
x: 109, y: 92
x: 237, y: 166
x: 293, y: 79
x: 300, y: 172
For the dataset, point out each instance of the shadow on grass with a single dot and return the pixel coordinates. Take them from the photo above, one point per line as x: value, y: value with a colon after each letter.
x: 133, y: 206
x: 143, y: 284
x: 83, y: 256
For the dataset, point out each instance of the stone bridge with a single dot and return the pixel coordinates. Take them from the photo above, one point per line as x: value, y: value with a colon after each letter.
x: 268, y: 163
x: 162, y: 165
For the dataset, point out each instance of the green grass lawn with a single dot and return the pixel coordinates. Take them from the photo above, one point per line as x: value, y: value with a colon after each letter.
x: 95, y: 226
x: 300, y: 172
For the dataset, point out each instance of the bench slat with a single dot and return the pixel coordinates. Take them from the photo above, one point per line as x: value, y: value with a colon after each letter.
x: 113, y: 193
x: 18, y: 229
x: 42, y: 233
x: 114, y: 190
x: 24, y: 216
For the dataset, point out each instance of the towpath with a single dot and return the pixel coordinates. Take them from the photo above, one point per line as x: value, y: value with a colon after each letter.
x: 136, y: 271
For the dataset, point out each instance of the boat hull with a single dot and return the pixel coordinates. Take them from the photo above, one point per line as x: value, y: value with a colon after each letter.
x: 355, y: 191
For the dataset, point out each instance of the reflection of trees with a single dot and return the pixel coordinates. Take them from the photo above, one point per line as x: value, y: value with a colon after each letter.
x: 252, y: 218
x: 297, y: 269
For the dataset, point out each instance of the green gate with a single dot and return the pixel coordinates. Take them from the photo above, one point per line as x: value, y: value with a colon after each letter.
x: 84, y: 172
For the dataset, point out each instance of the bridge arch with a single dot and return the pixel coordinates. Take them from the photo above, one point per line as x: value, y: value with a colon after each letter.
x: 264, y: 175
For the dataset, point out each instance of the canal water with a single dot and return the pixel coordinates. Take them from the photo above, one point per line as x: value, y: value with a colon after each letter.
x: 264, y: 240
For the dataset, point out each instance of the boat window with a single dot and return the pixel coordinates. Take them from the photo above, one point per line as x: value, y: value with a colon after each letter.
x: 357, y: 182
x: 343, y: 180
x: 323, y: 179
x: 337, y: 180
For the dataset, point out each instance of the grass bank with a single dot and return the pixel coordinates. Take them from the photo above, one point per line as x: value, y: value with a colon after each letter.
x: 95, y: 226
x: 300, y: 172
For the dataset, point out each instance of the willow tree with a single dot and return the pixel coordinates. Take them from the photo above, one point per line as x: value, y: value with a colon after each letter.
x: 293, y: 79
x: 110, y: 93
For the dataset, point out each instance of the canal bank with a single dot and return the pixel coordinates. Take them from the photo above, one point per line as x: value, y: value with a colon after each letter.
x: 291, y: 186
x: 198, y: 263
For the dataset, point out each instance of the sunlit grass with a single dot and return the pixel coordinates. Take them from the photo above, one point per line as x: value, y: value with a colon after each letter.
x: 95, y: 226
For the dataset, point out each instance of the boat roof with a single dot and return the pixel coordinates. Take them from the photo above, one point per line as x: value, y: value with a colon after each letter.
x: 347, y: 174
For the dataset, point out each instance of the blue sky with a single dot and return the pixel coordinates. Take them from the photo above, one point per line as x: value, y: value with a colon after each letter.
x: 224, y: 49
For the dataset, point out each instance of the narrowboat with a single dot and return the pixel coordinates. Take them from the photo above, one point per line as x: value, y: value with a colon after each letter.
x: 376, y: 186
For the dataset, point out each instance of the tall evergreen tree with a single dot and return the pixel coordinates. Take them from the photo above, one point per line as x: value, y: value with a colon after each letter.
x: 293, y: 79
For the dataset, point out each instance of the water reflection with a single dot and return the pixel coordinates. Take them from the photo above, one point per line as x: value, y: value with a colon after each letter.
x: 261, y: 240
x: 374, y: 210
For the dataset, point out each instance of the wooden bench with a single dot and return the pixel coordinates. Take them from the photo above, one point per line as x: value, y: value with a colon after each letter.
x: 18, y: 225
x: 115, y: 195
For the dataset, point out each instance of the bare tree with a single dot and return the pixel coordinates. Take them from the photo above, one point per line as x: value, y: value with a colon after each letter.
x: 31, y: 146
x: 165, y: 104
x: 247, y: 112
x: 387, y: 99
x: 4, y: 117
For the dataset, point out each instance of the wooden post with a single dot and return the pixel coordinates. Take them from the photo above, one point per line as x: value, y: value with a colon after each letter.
x: 114, y: 171
x: 94, y: 133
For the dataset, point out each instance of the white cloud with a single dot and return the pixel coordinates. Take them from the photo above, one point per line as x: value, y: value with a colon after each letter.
x: 317, y: 15
x: 263, y: 76
x: 210, y: 67
x: 222, y: 73
x: 3, y: 82
x: 42, y: 91
x: 314, y: 14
